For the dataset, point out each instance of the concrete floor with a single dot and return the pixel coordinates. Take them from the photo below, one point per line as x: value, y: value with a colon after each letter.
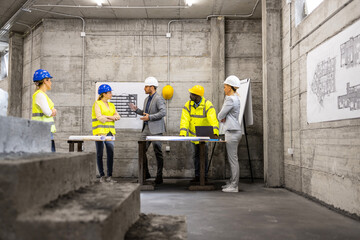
x: 255, y: 212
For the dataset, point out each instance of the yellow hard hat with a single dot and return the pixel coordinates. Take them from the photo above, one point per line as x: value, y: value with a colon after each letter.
x: 197, y: 89
x: 167, y: 92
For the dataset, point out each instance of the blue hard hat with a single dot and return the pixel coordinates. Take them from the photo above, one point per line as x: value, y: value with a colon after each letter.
x: 104, y: 88
x: 40, y: 74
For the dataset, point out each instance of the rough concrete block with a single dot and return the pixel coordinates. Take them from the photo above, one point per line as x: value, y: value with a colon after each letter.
x: 102, y: 211
x: 31, y: 180
x: 22, y: 135
x: 34, y: 179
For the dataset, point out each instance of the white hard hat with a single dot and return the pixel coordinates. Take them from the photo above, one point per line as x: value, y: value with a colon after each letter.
x: 151, y: 81
x: 233, y: 81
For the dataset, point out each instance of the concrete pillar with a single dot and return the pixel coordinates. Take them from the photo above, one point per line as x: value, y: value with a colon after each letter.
x: 15, y: 74
x: 218, y: 75
x: 272, y: 93
x: 217, y: 60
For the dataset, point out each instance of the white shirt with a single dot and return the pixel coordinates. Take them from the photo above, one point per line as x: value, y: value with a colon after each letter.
x: 43, y: 104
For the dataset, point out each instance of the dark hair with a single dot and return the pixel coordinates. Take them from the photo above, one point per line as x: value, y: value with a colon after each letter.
x: 39, y: 83
x: 234, y: 89
x: 101, y: 96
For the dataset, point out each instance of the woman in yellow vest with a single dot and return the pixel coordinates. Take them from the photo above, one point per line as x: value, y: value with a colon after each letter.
x: 104, y: 115
x: 42, y: 106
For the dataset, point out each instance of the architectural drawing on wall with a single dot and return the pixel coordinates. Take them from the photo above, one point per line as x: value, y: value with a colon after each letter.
x: 350, y: 52
x: 351, y: 99
x: 123, y: 94
x: 121, y: 103
x: 324, y: 79
x: 333, y: 82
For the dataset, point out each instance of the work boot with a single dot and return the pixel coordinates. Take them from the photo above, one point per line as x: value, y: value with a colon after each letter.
x: 147, y: 175
x: 195, y: 179
x: 158, y: 180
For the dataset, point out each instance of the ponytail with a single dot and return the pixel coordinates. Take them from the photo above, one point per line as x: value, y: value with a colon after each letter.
x: 100, y: 96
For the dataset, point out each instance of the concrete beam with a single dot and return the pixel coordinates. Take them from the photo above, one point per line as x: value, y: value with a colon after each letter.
x: 272, y: 93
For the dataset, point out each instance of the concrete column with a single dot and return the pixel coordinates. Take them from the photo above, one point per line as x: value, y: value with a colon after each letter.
x: 272, y: 93
x: 15, y: 74
x: 218, y: 75
x: 218, y: 60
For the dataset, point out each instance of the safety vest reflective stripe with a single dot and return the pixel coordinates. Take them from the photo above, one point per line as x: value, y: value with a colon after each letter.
x: 103, y: 126
x: 94, y: 119
x: 38, y: 114
x: 186, y: 109
x: 191, y: 132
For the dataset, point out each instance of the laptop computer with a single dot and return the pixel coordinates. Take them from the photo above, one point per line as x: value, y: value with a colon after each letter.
x: 205, y: 131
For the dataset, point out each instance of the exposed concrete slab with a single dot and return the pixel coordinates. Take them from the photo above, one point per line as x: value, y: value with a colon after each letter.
x: 101, y: 211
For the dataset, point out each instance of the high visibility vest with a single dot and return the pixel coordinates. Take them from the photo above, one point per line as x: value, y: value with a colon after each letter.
x: 37, y: 113
x: 203, y: 115
x: 98, y: 127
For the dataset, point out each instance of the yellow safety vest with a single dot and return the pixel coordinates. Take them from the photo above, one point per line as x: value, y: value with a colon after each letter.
x: 37, y: 113
x: 203, y: 115
x: 98, y: 127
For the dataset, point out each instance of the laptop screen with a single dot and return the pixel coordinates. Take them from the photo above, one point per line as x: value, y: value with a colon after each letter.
x: 205, y: 131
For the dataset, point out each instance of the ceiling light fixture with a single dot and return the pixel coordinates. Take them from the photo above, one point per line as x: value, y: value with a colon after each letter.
x: 189, y: 2
x: 99, y: 3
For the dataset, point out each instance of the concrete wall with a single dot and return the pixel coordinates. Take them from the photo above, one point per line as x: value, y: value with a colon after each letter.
x: 130, y: 51
x: 244, y: 59
x: 325, y: 164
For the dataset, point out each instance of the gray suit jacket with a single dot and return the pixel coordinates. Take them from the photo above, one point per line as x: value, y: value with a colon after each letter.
x: 157, y: 112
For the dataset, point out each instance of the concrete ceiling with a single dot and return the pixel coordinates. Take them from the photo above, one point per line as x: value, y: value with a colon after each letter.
x: 11, y: 11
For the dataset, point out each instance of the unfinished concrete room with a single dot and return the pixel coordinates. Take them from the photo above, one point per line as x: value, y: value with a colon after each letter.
x: 179, y: 119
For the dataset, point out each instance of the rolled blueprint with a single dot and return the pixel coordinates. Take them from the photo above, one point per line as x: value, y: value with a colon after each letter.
x: 92, y: 138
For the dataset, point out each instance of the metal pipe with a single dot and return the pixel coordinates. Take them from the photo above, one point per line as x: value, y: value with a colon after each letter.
x: 237, y: 15
x: 111, y: 7
x: 11, y: 21
x: 82, y: 64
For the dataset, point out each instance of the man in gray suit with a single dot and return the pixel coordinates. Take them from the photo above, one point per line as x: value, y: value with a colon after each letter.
x: 153, y: 123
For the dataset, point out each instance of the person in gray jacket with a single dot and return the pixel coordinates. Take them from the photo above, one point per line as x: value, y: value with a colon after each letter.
x: 229, y: 116
x: 153, y: 123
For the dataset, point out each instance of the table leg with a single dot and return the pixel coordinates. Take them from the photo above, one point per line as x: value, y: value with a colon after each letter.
x: 79, y: 147
x: 141, y: 162
x: 71, y: 147
x: 202, y: 163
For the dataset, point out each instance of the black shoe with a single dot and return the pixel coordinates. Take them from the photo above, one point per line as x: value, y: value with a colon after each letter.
x: 147, y: 175
x: 195, y: 179
x: 158, y: 180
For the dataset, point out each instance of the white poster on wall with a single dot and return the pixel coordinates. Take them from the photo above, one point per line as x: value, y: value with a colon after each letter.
x: 333, y: 77
x: 123, y: 94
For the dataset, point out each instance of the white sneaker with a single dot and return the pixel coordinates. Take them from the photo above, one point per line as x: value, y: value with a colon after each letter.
x: 110, y: 180
x: 227, y: 184
x: 102, y: 179
x: 231, y: 189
